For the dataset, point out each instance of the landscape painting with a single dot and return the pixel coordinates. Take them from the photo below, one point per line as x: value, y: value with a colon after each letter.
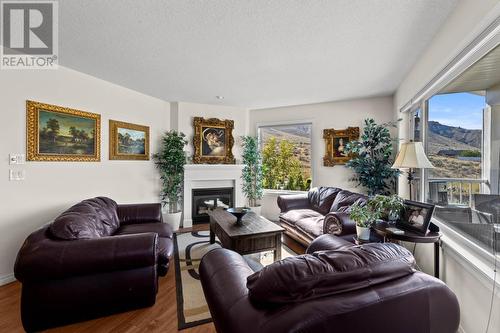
x: 128, y: 141
x: 61, y: 134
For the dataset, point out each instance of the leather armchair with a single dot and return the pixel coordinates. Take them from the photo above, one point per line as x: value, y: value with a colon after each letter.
x: 414, y: 302
x: 97, y: 258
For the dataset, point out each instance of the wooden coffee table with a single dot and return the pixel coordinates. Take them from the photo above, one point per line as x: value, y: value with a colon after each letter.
x: 254, y: 234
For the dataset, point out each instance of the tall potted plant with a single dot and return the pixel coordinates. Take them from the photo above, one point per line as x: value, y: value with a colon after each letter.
x: 170, y: 161
x: 252, y: 172
x: 373, y: 158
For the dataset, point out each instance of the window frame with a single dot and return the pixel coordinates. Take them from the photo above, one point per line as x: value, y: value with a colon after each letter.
x: 310, y: 122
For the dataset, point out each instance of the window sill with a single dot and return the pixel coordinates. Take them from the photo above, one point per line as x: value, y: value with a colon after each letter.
x: 281, y: 192
x: 473, y: 257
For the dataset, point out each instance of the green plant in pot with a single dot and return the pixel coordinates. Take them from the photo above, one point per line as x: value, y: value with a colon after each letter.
x: 252, y: 172
x: 364, y: 216
x: 170, y: 161
x: 390, y: 206
x: 373, y: 158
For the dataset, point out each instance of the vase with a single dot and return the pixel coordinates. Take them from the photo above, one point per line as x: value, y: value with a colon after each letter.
x: 257, y: 210
x: 174, y: 219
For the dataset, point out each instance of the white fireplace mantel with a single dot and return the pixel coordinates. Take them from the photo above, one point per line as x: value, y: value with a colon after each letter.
x: 210, y: 176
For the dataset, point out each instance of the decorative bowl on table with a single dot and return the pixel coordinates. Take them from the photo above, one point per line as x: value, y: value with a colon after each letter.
x: 238, y: 212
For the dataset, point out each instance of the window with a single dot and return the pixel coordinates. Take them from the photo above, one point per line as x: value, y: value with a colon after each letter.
x: 286, y: 156
x: 454, y: 146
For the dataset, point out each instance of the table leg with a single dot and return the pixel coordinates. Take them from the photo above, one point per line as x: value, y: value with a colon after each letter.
x: 277, y: 249
x: 436, y: 259
x: 212, y: 233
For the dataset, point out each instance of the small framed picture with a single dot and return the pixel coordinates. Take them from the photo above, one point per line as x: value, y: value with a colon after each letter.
x: 128, y: 141
x: 335, y: 143
x: 416, y: 216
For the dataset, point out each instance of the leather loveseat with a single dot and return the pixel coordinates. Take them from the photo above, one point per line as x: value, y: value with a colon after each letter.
x: 335, y: 287
x: 95, y: 259
x: 322, y: 210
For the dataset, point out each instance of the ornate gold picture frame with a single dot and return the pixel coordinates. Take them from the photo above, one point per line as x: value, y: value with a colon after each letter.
x: 128, y: 141
x: 213, y: 141
x: 56, y: 133
x: 335, y: 141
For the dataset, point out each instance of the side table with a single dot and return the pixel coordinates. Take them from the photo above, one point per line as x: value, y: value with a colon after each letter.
x: 409, y: 236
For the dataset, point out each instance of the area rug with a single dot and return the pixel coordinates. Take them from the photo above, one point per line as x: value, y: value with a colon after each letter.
x: 189, y: 247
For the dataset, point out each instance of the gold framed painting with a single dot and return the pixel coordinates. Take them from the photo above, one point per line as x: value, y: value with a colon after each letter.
x: 213, y: 141
x: 128, y: 141
x: 335, y: 143
x: 56, y: 133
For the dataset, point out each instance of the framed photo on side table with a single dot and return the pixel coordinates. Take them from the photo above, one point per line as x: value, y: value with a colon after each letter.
x: 416, y: 217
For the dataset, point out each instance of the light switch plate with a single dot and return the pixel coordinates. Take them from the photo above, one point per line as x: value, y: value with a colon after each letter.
x: 17, y: 175
x: 17, y: 159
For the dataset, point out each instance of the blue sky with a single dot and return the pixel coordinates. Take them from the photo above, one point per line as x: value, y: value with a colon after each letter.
x: 460, y: 110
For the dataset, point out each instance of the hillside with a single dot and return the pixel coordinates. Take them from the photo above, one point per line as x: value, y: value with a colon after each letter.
x: 469, y: 137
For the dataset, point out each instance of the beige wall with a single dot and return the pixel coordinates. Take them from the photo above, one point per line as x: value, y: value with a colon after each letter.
x: 336, y: 115
x: 50, y: 187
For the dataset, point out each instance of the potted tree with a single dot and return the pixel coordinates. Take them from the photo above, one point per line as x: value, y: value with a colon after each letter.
x: 390, y: 206
x: 364, y: 216
x: 170, y: 161
x: 252, y: 172
x: 373, y: 158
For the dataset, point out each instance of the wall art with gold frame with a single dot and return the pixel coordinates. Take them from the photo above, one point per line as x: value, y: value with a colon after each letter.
x: 213, y: 141
x: 335, y: 142
x: 128, y: 141
x: 57, y: 133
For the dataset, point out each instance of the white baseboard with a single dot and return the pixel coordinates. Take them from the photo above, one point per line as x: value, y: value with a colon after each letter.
x: 7, y: 279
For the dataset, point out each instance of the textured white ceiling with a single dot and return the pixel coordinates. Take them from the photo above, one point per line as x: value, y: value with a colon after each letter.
x: 255, y: 53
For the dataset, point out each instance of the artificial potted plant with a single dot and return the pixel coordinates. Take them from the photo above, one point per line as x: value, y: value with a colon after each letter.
x: 390, y: 206
x: 373, y: 158
x: 170, y: 161
x: 364, y: 216
x: 252, y: 172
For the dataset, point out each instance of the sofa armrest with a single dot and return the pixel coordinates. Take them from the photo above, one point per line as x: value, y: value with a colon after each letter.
x: 293, y: 201
x: 137, y: 213
x: 51, y: 259
x: 339, y: 224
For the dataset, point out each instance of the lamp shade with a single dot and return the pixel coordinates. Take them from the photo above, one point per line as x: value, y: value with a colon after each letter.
x: 412, y: 155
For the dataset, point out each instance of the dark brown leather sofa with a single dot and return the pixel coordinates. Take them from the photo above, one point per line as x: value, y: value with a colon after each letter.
x: 95, y: 259
x: 335, y: 287
x: 322, y: 210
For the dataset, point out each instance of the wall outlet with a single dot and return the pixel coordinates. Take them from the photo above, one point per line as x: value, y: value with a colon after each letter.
x: 17, y: 175
x: 17, y: 159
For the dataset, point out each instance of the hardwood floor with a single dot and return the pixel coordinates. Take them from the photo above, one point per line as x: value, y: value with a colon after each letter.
x: 161, y: 317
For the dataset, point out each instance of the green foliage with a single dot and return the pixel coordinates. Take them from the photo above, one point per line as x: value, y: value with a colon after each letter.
x: 252, y: 170
x: 281, y: 169
x: 170, y: 161
x: 373, y: 159
x: 390, y: 206
x: 470, y: 153
x: 364, y: 215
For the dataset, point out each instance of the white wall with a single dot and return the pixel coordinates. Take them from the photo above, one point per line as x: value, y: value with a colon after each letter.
x: 183, y: 113
x: 337, y: 115
x: 463, y: 25
x: 51, y: 187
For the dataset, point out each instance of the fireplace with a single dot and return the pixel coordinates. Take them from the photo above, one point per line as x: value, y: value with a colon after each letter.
x: 207, y: 199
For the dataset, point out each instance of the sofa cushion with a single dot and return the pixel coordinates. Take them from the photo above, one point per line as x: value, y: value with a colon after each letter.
x: 292, y: 216
x: 162, y: 229
x: 323, y: 273
x: 321, y: 198
x: 345, y: 199
x: 313, y: 226
x: 91, y: 218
